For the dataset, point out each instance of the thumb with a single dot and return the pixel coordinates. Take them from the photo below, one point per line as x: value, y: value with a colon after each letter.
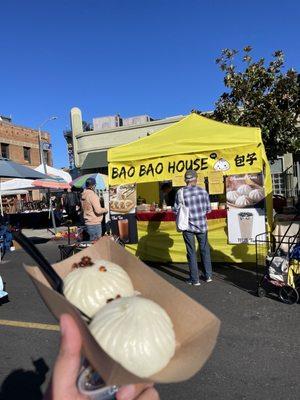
x: 68, y: 361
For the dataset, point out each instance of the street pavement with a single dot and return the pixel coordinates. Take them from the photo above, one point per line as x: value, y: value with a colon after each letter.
x: 256, y: 357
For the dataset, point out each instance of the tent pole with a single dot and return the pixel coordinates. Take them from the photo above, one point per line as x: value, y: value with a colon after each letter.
x: 52, y: 212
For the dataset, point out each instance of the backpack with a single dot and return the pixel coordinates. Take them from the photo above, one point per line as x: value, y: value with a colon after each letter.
x: 182, y: 219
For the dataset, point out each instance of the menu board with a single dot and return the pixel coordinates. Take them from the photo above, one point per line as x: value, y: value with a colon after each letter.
x: 122, y: 206
x: 178, y: 181
x: 246, y: 216
x: 215, y: 182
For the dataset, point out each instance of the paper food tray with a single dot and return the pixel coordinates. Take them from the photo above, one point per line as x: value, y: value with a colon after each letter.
x: 196, y: 328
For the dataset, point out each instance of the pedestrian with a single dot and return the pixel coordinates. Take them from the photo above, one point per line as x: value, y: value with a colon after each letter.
x: 71, y: 204
x: 92, y: 210
x: 67, y: 367
x: 196, y: 199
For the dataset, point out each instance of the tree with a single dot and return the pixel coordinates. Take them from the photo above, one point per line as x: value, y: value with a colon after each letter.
x: 261, y: 95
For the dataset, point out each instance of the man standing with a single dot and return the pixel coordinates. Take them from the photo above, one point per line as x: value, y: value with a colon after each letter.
x: 92, y: 210
x: 71, y: 204
x: 197, y: 201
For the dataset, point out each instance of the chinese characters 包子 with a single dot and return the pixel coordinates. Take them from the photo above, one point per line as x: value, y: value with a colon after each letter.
x: 241, y: 160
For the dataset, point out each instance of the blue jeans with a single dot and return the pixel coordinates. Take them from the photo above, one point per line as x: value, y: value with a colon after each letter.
x: 189, y: 239
x: 94, y: 231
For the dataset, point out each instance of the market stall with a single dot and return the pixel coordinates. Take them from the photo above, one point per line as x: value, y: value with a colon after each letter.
x: 231, y: 163
x: 25, y: 212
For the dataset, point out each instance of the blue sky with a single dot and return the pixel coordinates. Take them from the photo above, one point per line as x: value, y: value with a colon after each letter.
x: 131, y: 57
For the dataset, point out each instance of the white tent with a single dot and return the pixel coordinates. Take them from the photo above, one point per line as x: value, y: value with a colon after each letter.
x: 13, y: 192
x: 54, y: 172
x: 27, y: 184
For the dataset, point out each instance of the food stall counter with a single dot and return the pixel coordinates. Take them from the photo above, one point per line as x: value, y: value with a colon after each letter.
x: 169, y: 215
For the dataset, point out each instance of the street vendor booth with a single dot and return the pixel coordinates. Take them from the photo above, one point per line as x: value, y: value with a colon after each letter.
x: 230, y: 162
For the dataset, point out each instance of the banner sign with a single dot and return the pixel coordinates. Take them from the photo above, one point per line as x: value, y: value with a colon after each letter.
x: 246, y: 216
x: 46, y: 146
x: 122, y: 206
x: 229, y: 161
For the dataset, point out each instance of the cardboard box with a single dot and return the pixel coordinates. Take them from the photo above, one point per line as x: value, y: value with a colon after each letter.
x: 196, y: 328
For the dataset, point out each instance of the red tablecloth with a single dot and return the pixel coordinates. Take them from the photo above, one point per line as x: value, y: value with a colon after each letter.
x: 171, y: 216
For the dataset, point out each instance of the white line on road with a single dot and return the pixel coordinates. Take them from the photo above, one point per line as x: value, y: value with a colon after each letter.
x: 30, y: 325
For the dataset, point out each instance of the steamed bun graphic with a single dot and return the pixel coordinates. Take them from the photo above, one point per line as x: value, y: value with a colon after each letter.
x: 256, y: 195
x: 243, y: 201
x: 244, y: 190
x: 232, y: 196
x: 222, y: 165
x: 135, y: 332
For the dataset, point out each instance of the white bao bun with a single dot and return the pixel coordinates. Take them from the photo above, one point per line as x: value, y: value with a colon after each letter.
x: 243, y: 201
x: 244, y: 190
x: 232, y: 196
x: 89, y: 288
x: 135, y: 332
x: 256, y: 195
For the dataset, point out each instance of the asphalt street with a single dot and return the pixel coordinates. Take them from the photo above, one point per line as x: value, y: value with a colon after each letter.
x: 256, y: 357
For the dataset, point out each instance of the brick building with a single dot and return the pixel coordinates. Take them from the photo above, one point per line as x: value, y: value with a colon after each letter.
x: 21, y: 144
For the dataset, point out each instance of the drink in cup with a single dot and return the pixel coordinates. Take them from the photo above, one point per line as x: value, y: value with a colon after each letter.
x: 123, y: 227
x: 246, y: 225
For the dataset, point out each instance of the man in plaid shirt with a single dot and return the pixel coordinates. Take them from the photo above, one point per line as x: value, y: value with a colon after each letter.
x: 197, y: 201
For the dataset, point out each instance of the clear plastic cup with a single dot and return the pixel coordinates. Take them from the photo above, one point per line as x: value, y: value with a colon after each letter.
x: 92, y: 385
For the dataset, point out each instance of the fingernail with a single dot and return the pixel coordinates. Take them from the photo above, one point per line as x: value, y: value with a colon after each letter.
x: 126, y: 392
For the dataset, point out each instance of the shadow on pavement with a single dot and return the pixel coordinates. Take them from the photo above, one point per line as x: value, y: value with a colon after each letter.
x: 38, y: 240
x: 242, y: 276
x: 4, y: 300
x: 180, y: 273
x: 25, y: 384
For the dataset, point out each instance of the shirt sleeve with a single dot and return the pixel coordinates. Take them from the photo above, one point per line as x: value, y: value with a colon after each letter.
x: 208, y: 206
x: 176, y: 202
x: 95, y: 201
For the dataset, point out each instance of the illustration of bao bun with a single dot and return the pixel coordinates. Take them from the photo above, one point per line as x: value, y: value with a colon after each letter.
x: 245, y: 196
x: 222, y: 165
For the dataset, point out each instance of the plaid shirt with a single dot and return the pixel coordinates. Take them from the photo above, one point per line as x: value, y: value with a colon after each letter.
x: 197, y: 200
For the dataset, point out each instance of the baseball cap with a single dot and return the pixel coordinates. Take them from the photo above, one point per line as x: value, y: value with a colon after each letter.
x: 90, y: 182
x: 190, y: 175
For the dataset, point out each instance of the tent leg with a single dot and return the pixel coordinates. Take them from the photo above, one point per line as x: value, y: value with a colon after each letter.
x: 52, y: 213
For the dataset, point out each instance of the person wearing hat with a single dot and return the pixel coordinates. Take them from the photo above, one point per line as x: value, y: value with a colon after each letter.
x: 92, y: 210
x: 196, y: 199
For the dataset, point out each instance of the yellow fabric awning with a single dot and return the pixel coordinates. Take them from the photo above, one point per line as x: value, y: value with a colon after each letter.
x: 193, y: 134
x: 195, y: 142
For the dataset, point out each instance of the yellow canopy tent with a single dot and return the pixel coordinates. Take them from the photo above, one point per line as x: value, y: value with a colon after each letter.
x: 201, y: 144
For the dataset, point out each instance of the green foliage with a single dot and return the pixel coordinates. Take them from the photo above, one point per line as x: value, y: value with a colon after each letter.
x: 261, y: 95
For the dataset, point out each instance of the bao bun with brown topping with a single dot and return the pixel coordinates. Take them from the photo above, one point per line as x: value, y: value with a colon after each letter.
x: 89, y: 287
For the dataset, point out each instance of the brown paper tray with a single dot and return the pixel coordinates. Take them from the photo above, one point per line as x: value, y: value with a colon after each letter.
x: 196, y: 328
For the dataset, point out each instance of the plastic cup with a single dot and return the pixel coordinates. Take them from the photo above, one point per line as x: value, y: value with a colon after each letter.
x: 90, y: 384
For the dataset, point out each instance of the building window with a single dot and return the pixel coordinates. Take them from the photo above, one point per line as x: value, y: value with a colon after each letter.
x: 26, y: 151
x: 5, y: 150
x: 278, y: 184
